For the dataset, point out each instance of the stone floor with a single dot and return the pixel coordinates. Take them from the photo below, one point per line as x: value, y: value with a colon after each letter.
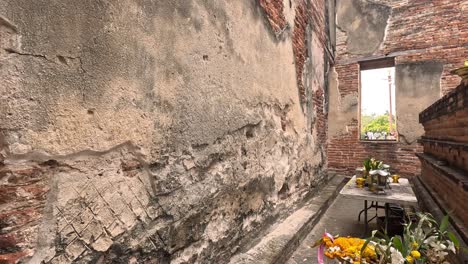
x: 339, y: 219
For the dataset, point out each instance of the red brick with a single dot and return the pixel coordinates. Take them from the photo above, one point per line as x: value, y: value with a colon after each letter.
x: 430, y: 31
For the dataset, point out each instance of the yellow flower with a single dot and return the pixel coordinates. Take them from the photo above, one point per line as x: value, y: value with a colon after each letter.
x: 328, y: 242
x: 415, y: 245
x: 350, y: 247
x: 415, y: 254
x: 409, y: 259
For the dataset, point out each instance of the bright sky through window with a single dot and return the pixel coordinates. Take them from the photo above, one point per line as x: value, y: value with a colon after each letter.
x: 375, y: 91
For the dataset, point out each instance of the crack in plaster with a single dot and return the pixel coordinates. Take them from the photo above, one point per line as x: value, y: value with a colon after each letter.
x: 61, y: 58
x: 12, y: 51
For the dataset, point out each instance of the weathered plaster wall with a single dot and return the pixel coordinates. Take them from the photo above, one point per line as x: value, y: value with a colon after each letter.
x: 417, y: 86
x: 342, y: 109
x: 364, y: 24
x: 427, y: 39
x: 155, y: 130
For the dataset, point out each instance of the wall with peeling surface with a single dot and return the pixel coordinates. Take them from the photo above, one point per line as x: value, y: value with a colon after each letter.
x: 427, y: 40
x: 161, y: 131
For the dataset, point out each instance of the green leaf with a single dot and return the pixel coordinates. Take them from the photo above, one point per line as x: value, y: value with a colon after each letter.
x: 454, y: 239
x: 398, y: 244
x: 444, y: 224
x: 365, y: 244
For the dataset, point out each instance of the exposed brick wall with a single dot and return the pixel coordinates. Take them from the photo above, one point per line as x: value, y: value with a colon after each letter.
x: 345, y: 153
x: 458, y: 157
x: 420, y: 26
x: 307, y: 13
x: 445, y: 158
x: 427, y: 24
x: 299, y: 45
x: 446, y: 128
x: 348, y: 78
x: 317, y: 19
x: 416, y: 31
x: 321, y: 123
x: 430, y: 30
x: 22, y: 199
x: 449, y: 191
x: 275, y: 15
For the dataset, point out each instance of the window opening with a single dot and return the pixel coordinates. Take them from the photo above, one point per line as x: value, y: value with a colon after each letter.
x: 377, y: 101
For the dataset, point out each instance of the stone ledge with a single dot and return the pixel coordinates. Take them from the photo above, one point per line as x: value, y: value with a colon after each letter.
x: 448, y: 143
x: 278, y: 245
x: 455, y: 175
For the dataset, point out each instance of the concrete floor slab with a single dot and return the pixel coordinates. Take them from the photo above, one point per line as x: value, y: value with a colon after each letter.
x: 339, y: 219
x: 283, y: 238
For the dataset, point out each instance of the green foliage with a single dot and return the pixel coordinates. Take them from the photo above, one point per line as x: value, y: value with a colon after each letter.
x: 367, y: 164
x: 444, y: 224
x: 372, y: 164
x: 398, y: 244
x: 379, y: 124
x: 366, y: 119
x: 427, y: 236
x: 375, y: 123
x: 454, y: 239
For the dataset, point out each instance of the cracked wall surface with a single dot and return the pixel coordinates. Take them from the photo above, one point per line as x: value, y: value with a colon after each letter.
x: 157, y: 131
x: 427, y: 40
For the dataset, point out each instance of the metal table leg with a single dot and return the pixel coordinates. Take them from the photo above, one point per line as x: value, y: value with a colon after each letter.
x: 362, y: 211
x: 386, y: 217
x: 365, y: 218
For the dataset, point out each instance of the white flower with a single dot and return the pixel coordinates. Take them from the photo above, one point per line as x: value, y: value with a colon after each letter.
x: 396, y: 256
x: 451, y: 246
x: 334, y: 249
x: 441, y: 254
x: 430, y: 239
x: 348, y: 260
x: 435, y: 244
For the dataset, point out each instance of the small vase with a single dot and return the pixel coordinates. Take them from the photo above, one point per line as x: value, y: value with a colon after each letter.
x: 368, y: 179
x: 373, y: 187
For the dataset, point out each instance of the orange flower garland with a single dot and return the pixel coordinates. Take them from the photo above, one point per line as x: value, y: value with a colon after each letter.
x: 349, y: 249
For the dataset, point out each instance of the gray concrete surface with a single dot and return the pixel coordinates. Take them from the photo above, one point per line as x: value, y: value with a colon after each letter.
x: 339, y: 219
x: 284, y: 236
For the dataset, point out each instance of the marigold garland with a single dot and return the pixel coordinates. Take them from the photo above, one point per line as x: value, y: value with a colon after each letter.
x: 348, y: 248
